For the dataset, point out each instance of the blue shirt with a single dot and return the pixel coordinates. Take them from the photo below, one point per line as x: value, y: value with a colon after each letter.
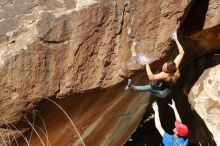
x: 169, y: 140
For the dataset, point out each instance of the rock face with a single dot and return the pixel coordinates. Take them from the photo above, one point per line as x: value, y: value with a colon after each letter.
x: 200, y: 40
x: 204, y: 98
x: 61, y: 48
x: 212, y: 17
x: 79, y: 51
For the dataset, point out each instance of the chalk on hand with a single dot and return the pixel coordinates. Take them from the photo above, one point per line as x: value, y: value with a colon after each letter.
x: 174, y: 35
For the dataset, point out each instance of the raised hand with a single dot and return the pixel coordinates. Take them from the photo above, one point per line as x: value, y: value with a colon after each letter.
x: 174, y: 36
x: 173, y: 105
x: 155, y: 107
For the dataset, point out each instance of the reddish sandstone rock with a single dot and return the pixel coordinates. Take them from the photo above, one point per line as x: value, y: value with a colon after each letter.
x: 61, y: 48
x: 206, y: 41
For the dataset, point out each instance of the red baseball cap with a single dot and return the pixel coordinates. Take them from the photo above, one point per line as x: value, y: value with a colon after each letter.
x: 181, y: 128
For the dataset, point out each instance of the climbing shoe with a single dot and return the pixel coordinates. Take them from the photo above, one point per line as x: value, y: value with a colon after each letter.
x: 128, y: 85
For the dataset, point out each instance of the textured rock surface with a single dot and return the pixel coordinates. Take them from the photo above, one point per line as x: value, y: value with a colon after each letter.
x: 79, y: 50
x: 59, y: 48
x: 204, y: 98
x: 206, y: 36
x: 213, y: 14
x: 200, y: 41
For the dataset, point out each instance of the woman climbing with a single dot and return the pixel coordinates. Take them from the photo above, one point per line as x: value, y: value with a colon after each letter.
x: 166, y: 79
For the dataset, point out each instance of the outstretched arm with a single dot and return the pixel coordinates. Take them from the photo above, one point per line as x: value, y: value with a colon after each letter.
x: 179, y: 57
x: 173, y: 106
x: 152, y: 76
x: 157, y: 119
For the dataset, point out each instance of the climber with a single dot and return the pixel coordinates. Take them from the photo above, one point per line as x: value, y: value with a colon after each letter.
x: 166, y: 79
x: 180, y: 130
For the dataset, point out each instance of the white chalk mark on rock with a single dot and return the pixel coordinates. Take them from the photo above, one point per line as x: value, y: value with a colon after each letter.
x: 144, y: 59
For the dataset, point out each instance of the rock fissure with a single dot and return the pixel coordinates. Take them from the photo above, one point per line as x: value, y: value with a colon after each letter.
x: 146, y: 133
x: 53, y: 42
x: 141, y: 136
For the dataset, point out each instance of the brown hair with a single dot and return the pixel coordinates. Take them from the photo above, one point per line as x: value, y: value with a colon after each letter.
x: 173, y: 71
x: 171, y: 67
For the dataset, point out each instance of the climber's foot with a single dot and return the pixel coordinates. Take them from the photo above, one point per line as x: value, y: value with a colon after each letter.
x: 128, y: 85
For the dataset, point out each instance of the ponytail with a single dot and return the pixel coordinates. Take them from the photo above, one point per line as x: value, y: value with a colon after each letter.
x: 175, y: 76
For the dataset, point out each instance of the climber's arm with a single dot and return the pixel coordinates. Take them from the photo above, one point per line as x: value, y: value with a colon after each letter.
x: 159, y: 76
x: 157, y: 119
x: 179, y: 57
x: 173, y: 106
